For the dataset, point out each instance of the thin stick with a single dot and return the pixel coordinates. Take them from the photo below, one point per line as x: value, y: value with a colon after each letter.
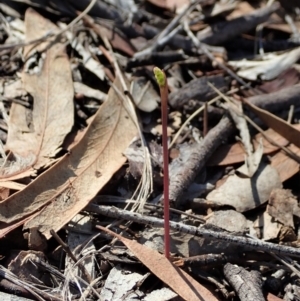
x: 197, y: 231
x: 205, y: 120
x: 163, y: 87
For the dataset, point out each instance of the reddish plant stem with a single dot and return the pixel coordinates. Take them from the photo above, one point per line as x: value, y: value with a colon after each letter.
x: 164, y: 118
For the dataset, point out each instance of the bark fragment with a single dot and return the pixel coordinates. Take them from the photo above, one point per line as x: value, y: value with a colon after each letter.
x: 197, y: 89
x: 246, y: 284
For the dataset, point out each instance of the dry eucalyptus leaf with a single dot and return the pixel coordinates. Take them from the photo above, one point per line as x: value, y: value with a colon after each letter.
x: 178, y: 280
x: 232, y: 154
x: 283, y: 205
x: 284, y: 164
x: 90, y: 165
x: 36, y: 137
x: 247, y: 193
x: 68, y: 186
x: 279, y: 125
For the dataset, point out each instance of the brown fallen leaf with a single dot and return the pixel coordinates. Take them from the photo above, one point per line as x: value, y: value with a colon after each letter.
x: 245, y: 194
x: 279, y: 125
x: 286, y: 166
x: 177, y: 279
x: 282, y: 206
x: 232, y: 154
x: 35, y: 141
x: 68, y: 186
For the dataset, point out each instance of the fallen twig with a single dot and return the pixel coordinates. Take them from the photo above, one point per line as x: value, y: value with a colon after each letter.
x: 209, y: 234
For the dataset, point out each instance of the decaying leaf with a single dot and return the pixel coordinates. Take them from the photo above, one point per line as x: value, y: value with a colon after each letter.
x: 247, y: 193
x: 70, y: 184
x: 286, y: 166
x: 268, y: 68
x: 283, y: 205
x: 35, y: 138
x: 178, y: 280
x: 277, y: 124
x: 232, y: 154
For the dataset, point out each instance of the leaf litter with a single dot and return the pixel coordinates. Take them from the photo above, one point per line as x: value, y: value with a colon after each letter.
x: 34, y: 143
x: 63, y: 150
x: 181, y: 282
x: 109, y: 133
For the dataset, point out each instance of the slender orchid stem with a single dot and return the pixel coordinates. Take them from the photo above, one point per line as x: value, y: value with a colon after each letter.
x: 163, y: 87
